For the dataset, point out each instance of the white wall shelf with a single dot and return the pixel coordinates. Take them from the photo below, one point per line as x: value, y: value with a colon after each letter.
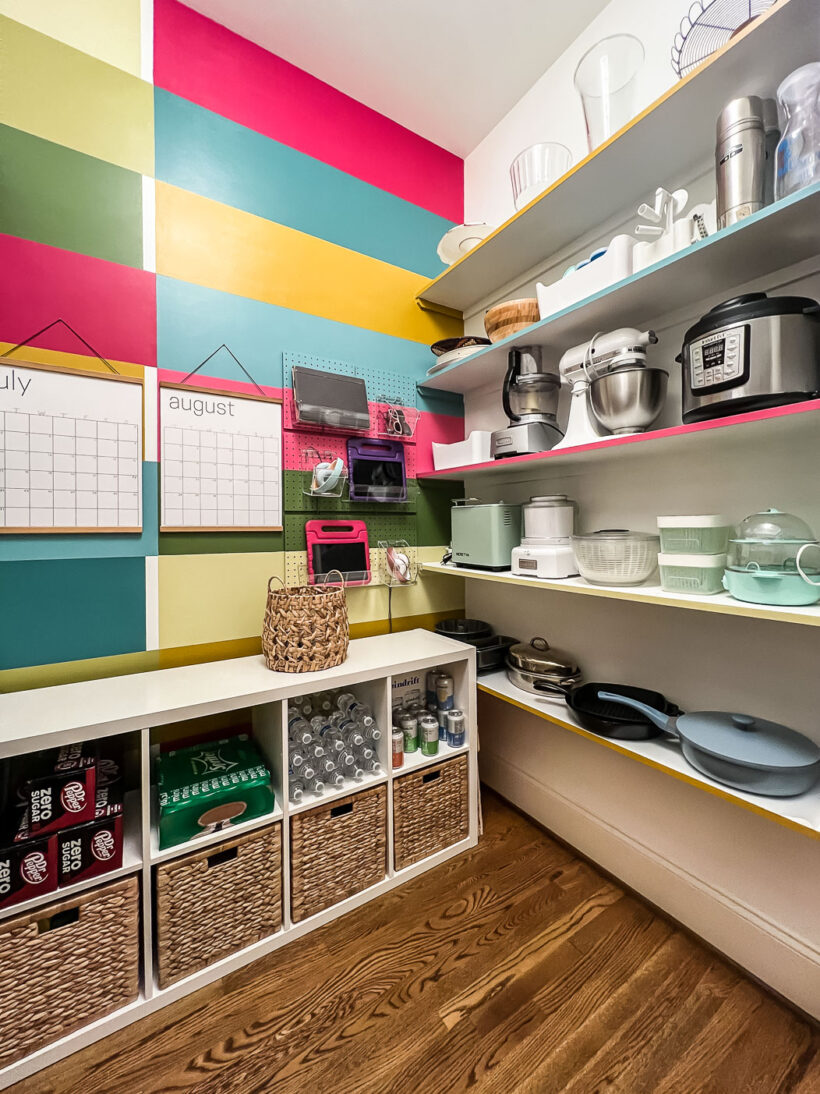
x: 141, y: 705
x: 802, y: 813
x: 779, y: 236
x: 721, y: 603
x: 784, y: 424
x: 663, y: 143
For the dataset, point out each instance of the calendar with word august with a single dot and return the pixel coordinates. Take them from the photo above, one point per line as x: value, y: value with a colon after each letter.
x: 220, y: 460
x: 70, y: 450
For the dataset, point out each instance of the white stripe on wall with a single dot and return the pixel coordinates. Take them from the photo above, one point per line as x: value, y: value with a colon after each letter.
x: 150, y: 390
x: 147, y: 40
x: 151, y: 602
x: 149, y: 231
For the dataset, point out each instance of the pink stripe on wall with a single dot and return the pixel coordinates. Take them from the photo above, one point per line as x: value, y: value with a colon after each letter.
x: 204, y: 62
x: 113, y: 307
x: 441, y: 428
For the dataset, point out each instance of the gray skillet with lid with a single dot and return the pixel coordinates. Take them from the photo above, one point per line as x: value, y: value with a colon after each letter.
x: 750, y: 754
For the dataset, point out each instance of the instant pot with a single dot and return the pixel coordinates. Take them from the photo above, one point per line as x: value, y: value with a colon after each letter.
x: 749, y: 353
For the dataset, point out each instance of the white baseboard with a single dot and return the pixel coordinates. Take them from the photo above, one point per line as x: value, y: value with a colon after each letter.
x: 788, y: 964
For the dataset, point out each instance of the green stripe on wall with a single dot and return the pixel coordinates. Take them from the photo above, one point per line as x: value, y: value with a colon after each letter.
x: 433, y: 512
x: 54, y: 195
x: 218, y: 543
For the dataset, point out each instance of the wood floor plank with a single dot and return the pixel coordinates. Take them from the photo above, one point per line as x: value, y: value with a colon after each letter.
x: 514, y: 968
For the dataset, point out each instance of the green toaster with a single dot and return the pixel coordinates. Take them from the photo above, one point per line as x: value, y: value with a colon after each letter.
x: 485, y: 533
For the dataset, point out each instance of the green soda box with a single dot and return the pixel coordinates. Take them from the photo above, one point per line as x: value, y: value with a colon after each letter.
x: 210, y: 786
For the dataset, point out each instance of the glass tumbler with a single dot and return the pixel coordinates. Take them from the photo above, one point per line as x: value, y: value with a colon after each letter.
x: 798, y: 153
x: 536, y: 168
x: 605, y: 80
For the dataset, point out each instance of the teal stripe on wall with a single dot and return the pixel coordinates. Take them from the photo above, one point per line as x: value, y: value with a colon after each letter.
x: 207, y: 154
x: 110, y: 545
x: 54, y: 195
x: 70, y: 609
x: 192, y: 321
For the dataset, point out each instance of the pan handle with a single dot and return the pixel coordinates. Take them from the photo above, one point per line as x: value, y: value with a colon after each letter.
x: 662, y: 721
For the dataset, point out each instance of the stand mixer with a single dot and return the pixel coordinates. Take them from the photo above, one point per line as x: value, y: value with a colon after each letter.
x: 613, y: 391
x: 530, y: 400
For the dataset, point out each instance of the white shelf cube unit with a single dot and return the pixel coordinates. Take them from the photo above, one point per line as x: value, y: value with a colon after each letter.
x: 141, y: 705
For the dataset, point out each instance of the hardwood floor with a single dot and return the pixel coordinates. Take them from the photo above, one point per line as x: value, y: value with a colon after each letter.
x: 515, y: 968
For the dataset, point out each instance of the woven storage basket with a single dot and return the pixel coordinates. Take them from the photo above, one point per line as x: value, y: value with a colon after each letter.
x: 305, y: 629
x: 430, y: 811
x: 337, y: 850
x: 67, y: 965
x: 217, y: 901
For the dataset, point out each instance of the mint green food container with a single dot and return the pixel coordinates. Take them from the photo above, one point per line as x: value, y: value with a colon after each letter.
x: 701, y: 575
x: 706, y: 534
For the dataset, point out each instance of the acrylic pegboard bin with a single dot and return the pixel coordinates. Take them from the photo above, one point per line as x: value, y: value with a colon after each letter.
x: 398, y: 563
x: 311, y: 461
x: 383, y: 384
x: 395, y: 421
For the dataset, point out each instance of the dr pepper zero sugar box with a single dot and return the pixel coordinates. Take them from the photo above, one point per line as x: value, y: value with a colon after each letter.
x: 56, y: 788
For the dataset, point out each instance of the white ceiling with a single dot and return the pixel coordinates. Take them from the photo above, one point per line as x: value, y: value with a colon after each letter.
x: 447, y: 69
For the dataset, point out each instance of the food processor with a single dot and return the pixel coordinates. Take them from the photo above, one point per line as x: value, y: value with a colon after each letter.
x: 530, y: 400
x: 546, y: 549
x: 765, y: 562
x: 612, y: 389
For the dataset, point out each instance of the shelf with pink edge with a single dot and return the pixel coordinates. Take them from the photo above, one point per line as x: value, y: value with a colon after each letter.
x: 783, y: 423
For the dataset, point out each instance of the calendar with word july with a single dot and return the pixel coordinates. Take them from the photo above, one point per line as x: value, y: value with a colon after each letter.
x: 220, y: 460
x: 70, y: 451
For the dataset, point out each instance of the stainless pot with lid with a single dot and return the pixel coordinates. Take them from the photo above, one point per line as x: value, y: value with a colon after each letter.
x: 538, y: 668
x: 738, y: 750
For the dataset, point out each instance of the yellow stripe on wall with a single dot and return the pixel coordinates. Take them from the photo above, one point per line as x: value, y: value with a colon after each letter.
x: 210, y: 244
x: 107, y: 29
x: 433, y: 593
x: 79, y: 361
x: 214, y: 598
x: 66, y: 96
x: 218, y: 598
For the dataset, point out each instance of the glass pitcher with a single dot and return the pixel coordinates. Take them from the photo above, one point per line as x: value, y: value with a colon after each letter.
x: 798, y: 151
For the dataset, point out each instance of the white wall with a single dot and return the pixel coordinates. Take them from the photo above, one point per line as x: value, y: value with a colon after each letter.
x: 551, y: 109
x: 748, y: 886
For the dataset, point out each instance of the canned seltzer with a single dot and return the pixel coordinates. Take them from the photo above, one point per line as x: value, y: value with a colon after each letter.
x: 456, y: 726
x: 428, y: 731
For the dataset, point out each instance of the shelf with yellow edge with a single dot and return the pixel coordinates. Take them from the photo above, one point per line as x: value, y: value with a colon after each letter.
x: 722, y: 603
x: 801, y: 813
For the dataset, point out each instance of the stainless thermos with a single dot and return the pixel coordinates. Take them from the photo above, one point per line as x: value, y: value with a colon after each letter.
x: 740, y: 160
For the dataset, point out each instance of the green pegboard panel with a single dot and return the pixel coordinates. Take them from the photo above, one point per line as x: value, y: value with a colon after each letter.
x: 297, y: 501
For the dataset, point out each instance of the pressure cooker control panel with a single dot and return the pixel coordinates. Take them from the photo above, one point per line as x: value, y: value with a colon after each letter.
x: 719, y: 360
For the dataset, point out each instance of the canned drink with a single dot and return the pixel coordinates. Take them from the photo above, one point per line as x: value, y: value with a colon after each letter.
x: 432, y: 676
x: 456, y: 727
x: 428, y: 732
x: 441, y: 716
x: 445, y: 691
x: 410, y: 729
x: 398, y: 748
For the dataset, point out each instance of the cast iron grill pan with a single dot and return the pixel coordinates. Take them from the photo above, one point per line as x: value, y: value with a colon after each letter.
x: 612, y: 720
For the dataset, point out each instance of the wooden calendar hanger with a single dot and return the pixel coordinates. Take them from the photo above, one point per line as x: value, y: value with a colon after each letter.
x: 211, y: 355
x: 79, y: 338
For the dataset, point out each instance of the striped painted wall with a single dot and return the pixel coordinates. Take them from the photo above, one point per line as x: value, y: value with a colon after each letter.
x: 167, y: 187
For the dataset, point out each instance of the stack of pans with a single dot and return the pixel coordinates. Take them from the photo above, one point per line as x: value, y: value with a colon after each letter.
x: 491, y: 649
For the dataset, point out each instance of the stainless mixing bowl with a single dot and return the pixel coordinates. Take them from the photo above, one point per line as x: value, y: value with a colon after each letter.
x: 629, y: 399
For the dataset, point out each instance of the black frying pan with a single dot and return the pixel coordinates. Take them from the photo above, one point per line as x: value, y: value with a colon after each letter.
x: 610, y: 719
